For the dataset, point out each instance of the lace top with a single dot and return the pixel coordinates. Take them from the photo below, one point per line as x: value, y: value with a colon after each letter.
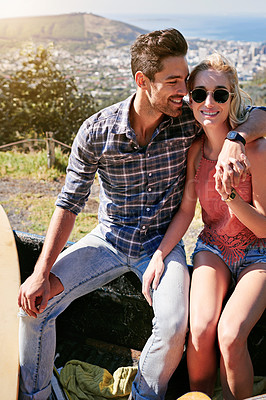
x: 221, y: 227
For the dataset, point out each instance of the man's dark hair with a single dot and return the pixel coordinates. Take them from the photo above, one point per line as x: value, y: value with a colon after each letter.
x: 150, y: 49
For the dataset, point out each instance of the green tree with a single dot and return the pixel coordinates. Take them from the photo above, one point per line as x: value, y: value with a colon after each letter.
x: 39, y: 98
x: 6, y: 112
x: 257, y: 88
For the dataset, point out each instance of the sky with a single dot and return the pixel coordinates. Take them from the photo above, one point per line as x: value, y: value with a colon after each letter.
x: 20, y: 8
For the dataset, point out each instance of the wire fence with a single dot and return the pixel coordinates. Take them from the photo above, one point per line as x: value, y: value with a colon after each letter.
x: 34, y: 140
x: 50, y: 146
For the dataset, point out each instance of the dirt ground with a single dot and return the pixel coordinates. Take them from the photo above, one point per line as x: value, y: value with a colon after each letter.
x: 19, y: 218
x: 10, y: 187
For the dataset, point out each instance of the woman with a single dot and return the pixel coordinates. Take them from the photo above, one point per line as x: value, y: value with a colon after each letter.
x: 232, y: 245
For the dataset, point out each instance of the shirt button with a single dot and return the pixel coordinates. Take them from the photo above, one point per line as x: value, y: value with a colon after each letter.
x: 149, y: 189
x: 135, y: 148
x: 150, y: 174
x: 148, y: 155
x: 144, y: 227
x: 148, y: 209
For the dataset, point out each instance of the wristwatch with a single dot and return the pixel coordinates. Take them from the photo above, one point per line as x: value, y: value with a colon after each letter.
x: 231, y: 196
x: 236, y: 137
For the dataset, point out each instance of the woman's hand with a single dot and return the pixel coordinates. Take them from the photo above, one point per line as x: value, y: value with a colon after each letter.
x: 152, y: 275
x: 232, y: 166
x: 224, y: 195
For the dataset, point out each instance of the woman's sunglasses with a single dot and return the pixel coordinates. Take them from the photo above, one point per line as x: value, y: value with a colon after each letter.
x: 219, y: 95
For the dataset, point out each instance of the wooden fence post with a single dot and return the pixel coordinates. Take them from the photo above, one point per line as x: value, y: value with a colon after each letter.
x: 50, y: 149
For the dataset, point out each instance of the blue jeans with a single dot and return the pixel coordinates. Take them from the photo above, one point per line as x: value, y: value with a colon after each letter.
x: 82, y: 268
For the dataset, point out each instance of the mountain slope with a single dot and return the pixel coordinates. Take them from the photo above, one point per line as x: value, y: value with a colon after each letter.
x: 88, y: 29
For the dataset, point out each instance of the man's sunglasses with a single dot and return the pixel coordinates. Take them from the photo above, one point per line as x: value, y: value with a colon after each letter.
x: 199, y: 95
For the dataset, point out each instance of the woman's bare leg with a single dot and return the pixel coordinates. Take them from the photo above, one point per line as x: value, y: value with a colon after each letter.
x: 242, y: 311
x: 210, y: 282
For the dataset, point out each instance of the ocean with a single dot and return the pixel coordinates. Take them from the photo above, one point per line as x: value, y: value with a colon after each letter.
x: 236, y: 28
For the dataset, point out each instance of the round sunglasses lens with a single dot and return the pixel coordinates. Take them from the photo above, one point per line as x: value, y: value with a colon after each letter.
x: 199, y: 95
x: 221, y: 95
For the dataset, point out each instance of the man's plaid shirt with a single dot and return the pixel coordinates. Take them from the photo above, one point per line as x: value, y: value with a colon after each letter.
x: 140, y: 188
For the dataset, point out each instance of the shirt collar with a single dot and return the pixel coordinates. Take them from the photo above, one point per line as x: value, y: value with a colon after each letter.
x: 122, y: 123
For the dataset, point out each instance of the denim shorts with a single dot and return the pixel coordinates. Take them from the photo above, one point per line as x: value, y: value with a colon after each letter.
x: 253, y: 255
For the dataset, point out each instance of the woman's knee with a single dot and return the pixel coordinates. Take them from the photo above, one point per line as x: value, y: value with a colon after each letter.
x: 231, y: 340
x: 203, y: 333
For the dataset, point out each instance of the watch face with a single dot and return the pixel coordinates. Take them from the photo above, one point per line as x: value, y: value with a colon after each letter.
x: 232, y: 135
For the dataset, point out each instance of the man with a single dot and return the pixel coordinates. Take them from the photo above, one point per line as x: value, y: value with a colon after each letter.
x: 138, y: 148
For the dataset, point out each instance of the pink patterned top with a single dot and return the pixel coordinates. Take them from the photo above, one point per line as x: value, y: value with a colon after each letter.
x: 221, y: 227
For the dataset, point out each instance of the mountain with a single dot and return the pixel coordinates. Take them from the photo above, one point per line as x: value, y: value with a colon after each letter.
x: 80, y: 30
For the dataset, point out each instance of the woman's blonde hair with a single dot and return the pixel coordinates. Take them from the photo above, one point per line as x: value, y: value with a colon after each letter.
x: 238, y: 107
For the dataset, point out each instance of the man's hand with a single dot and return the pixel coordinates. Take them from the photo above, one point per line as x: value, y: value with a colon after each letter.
x: 152, y: 275
x: 34, y: 294
x: 232, y: 166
